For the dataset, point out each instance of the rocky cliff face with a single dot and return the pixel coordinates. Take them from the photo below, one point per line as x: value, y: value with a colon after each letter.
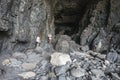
x: 83, y: 41
x: 95, y: 23
x: 90, y: 22
x: 21, y: 21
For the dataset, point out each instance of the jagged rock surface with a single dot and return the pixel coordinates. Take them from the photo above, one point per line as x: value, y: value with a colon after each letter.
x: 21, y: 21
x: 94, y: 24
x: 79, y: 65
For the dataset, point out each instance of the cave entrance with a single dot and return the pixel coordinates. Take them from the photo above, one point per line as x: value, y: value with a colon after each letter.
x: 67, y: 17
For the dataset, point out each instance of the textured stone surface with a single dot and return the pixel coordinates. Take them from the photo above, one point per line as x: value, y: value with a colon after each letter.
x: 21, y: 21
x: 27, y: 75
x: 28, y: 66
x: 59, y: 59
x: 6, y: 62
x: 91, y: 23
x: 19, y: 55
x: 78, y: 72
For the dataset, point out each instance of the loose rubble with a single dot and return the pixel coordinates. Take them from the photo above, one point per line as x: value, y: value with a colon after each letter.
x: 75, y: 64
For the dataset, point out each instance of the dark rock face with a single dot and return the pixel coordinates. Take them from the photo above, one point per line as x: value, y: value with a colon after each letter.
x: 21, y: 21
x: 93, y: 23
x: 60, y: 25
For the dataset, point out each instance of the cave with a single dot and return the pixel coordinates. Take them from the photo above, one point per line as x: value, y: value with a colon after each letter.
x: 86, y: 24
x: 59, y: 40
x: 67, y: 16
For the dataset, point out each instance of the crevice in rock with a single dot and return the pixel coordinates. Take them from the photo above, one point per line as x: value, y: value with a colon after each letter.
x: 67, y: 17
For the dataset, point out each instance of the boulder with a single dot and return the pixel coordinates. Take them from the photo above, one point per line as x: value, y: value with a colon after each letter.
x: 59, y: 59
x: 27, y: 75
x: 79, y: 72
x: 28, y: 66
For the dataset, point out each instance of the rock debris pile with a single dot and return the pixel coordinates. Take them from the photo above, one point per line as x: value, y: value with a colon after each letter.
x: 68, y: 61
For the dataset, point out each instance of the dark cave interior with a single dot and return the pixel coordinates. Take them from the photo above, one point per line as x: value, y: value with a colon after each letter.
x: 67, y: 17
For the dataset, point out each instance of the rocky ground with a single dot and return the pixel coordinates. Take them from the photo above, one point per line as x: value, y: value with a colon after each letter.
x: 64, y: 61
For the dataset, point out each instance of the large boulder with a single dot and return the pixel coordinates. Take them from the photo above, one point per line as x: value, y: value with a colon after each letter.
x: 59, y: 59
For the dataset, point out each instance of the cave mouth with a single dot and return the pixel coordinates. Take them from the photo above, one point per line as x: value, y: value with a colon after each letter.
x: 65, y: 27
x: 68, y: 28
x: 67, y: 17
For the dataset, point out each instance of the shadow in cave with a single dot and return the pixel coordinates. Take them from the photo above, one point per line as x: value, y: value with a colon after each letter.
x: 67, y: 18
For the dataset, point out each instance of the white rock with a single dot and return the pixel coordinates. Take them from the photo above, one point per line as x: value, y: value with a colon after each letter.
x: 99, y: 46
x: 59, y: 59
x: 38, y: 39
x: 6, y: 62
x: 28, y: 66
x: 107, y: 62
x: 27, y: 75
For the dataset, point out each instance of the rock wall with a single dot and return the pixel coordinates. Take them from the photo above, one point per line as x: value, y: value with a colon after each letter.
x: 95, y: 23
x: 99, y: 25
x: 21, y: 21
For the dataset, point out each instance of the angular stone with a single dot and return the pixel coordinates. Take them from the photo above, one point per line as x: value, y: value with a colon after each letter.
x: 61, y: 77
x: 98, y: 73
x: 19, y: 55
x: 78, y: 72
x: 61, y: 70
x: 85, y: 48
x: 15, y: 63
x: 112, y: 56
x: 107, y: 62
x: 51, y: 75
x: 33, y: 57
x: 27, y: 75
x: 65, y: 47
x: 6, y: 62
x: 115, y: 76
x: 101, y: 56
x: 59, y: 59
x: 43, y: 78
x: 28, y: 66
x: 82, y: 54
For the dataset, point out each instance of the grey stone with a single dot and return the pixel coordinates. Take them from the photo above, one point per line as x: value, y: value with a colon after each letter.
x: 78, y: 72
x: 98, y: 73
x: 112, y: 57
x: 65, y: 47
x: 43, y: 63
x: 85, y: 48
x: 61, y: 70
x: 19, y: 55
x: 43, y: 78
x: 61, y: 77
x: 33, y: 57
x: 28, y: 66
x: 15, y: 63
x: 101, y: 56
x: 115, y: 76
x: 27, y: 75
